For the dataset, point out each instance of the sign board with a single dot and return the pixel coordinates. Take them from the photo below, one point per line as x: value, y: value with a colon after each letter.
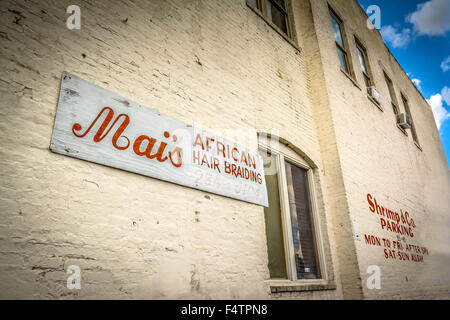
x: 100, y: 126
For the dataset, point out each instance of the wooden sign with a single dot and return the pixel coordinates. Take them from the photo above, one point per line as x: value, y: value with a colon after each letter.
x: 100, y: 126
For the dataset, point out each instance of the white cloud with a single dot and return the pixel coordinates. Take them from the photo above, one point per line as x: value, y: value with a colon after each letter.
x: 417, y: 82
x: 431, y: 17
x: 446, y: 95
x: 398, y: 39
x: 445, y: 65
x: 436, y: 103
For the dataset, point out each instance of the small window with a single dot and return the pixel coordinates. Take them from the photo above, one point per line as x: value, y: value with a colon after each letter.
x: 408, y: 111
x: 340, y: 44
x: 392, y: 94
x: 277, y: 14
x: 363, y: 60
x: 301, y: 222
x: 290, y: 226
x: 275, y: 11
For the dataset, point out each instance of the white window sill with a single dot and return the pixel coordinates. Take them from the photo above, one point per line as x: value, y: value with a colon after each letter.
x: 418, y: 145
x: 282, y: 286
x: 375, y: 103
x: 402, y: 130
x: 350, y: 78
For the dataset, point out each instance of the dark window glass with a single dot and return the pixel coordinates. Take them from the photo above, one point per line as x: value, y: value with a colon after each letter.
x: 390, y: 88
x: 272, y: 215
x: 392, y: 94
x: 254, y: 3
x: 281, y: 3
x: 337, y: 31
x: 367, y: 80
x: 343, y: 59
x: 277, y: 16
x: 302, y: 224
x: 362, y: 56
x: 408, y: 111
x: 395, y: 108
x: 340, y: 43
x: 362, y: 60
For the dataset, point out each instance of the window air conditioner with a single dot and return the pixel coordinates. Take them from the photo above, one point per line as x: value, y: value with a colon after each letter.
x: 404, y: 120
x: 374, y: 94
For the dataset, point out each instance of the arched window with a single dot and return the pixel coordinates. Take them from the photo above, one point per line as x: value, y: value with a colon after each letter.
x: 292, y: 227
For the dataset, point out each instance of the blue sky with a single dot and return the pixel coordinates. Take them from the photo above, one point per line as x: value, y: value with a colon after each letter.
x: 418, y: 34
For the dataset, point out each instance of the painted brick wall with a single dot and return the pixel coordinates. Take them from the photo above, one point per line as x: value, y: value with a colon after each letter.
x: 211, y: 62
x: 377, y: 158
x: 217, y: 64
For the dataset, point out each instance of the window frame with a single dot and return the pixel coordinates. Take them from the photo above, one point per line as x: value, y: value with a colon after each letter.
x: 391, y: 92
x: 346, y: 52
x: 415, y: 137
x: 367, y: 74
x: 261, y: 10
x: 284, y: 153
x: 394, y: 101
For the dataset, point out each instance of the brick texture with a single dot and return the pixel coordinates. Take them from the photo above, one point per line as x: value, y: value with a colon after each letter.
x: 218, y: 64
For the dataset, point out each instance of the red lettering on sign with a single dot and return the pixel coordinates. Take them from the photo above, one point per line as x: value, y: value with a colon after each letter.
x: 220, y: 149
x: 237, y: 157
x: 99, y: 136
x: 137, y: 146
x: 199, y: 141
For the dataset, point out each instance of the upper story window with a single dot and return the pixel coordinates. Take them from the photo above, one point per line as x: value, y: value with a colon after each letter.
x: 392, y: 94
x: 291, y: 220
x: 408, y: 111
x: 363, y: 60
x: 338, y: 30
x: 275, y: 11
x: 394, y: 103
